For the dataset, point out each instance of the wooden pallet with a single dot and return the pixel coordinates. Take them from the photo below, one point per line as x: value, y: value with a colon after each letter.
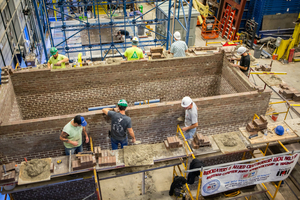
x: 270, y: 137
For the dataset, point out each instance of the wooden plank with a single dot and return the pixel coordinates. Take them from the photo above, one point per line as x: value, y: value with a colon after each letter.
x: 294, y: 125
x: 270, y: 137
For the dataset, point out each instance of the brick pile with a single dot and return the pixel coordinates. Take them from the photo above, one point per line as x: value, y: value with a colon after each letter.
x: 257, y: 125
x: 107, y: 158
x: 156, y: 53
x: 200, y: 141
x: 289, y: 92
x: 173, y: 142
x: 10, y: 173
x: 264, y: 67
x: 83, y: 162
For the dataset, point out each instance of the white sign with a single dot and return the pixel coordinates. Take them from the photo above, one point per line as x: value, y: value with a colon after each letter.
x: 222, y: 179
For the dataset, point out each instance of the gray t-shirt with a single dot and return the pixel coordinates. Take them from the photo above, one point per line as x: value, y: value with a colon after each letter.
x: 119, y: 125
x: 191, y: 116
x: 178, y: 48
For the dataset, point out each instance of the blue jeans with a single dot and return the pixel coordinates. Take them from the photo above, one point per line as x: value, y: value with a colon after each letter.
x: 73, y: 150
x: 190, y: 133
x: 114, y: 143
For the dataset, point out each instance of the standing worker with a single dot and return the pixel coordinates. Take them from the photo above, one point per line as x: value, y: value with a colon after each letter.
x: 58, y: 60
x: 244, y: 65
x: 134, y: 53
x: 120, y: 124
x: 178, y: 48
x: 191, y: 117
x: 72, y: 135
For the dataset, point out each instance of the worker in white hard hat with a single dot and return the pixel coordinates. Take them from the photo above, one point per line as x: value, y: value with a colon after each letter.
x: 178, y: 48
x: 244, y: 65
x: 191, y: 117
x: 134, y: 53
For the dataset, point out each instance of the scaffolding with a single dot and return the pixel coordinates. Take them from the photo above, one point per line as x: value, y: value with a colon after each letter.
x: 66, y: 21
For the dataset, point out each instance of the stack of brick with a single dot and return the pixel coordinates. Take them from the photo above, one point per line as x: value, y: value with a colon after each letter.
x: 289, y: 92
x: 257, y: 125
x: 107, y: 159
x: 156, y: 52
x: 10, y: 173
x: 200, y: 141
x: 173, y: 142
x: 83, y: 162
x: 265, y: 68
x: 97, y: 151
x: 4, y: 74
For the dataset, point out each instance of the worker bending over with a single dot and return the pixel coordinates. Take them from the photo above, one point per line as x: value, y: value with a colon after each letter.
x: 72, y: 135
x: 134, y: 53
x: 244, y: 65
x: 120, y: 124
x: 58, y: 60
x: 178, y: 48
x: 191, y: 117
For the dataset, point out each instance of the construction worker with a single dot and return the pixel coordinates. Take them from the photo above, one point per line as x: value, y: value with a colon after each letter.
x: 134, y: 53
x: 57, y: 60
x: 72, y: 135
x: 122, y: 33
x: 191, y: 117
x: 178, y: 48
x: 120, y: 124
x: 244, y: 65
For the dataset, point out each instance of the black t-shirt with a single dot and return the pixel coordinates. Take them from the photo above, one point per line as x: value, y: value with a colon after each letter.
x: 119, y: 125
x: 123, y: 32
x: 245, y: 62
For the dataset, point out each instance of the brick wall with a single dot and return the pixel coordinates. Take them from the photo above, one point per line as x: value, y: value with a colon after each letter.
x: 44, y: 93
x: 39, y: 138
x: 7, y: 101
x: 71, y: 190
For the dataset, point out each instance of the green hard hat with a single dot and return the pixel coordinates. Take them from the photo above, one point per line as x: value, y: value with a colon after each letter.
x: 53, y: 51
x: 122, y: 102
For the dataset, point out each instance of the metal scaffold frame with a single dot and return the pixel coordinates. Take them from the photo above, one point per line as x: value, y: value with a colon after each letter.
x: 59, y: 7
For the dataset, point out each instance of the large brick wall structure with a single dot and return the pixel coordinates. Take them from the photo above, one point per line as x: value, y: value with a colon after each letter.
x: 45, y: 93
x: 39, y: 138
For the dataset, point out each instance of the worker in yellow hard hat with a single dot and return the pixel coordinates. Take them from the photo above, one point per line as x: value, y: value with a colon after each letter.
x: 134, y: 53
x: 57, y: 60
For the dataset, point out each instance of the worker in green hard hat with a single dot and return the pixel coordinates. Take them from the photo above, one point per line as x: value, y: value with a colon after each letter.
x: 120, y: 125
x: 57, y: 60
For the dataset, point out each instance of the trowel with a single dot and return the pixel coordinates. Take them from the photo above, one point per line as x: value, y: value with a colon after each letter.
x: 137, y: 142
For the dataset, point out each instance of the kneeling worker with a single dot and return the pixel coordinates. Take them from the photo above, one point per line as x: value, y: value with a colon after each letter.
x: 134, y: 53
x: 72, y: 135
x: 120, y: 124
x: 191, y: 117
x: 58, y: 60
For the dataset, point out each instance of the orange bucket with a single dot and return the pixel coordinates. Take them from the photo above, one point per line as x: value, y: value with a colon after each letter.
x: 274, y: 117
x: 274, y: 57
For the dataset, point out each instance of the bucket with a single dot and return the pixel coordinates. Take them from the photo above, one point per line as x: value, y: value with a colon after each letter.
x: 257, y: 52
x: 274, y: 57
x: 141, y: 30
x: 274, y: 117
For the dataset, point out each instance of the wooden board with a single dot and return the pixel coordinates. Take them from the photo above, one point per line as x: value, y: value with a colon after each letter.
x: 270, y: 137
x: 294, y: 125
x: 240, y: 146
x: 23, y: 182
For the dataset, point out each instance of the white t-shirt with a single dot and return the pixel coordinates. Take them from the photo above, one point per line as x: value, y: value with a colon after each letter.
x: 191, y: 116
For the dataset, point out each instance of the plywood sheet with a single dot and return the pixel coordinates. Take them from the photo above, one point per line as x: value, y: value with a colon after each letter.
x: 236, y: 143
x: 45, y: 176
x: 271, y: 80
x: 270, y: 137
x: 294, y: 124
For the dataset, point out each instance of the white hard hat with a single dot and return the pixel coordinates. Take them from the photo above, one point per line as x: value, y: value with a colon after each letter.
x: 177, y: 35
x: 186, y: 101
x: 241, y: 50
x: 135, y: 39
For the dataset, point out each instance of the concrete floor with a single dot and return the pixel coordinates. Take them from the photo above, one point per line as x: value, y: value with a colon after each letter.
x: 158, y: 182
